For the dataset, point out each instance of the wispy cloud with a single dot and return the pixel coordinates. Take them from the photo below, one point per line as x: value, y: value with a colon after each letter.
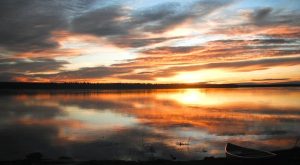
x: 42, y: 41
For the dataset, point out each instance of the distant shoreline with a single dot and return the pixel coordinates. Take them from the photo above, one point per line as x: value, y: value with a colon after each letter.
x: 129, y: 86
x: 287, y: 156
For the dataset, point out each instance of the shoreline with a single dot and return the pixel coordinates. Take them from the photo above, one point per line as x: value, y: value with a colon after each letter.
x: 130, y: 86
x: 206, y: 161
x: 288, y: 156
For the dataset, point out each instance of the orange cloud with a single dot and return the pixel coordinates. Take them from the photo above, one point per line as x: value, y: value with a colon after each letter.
x: 52, y: 122
x: 283, y: 31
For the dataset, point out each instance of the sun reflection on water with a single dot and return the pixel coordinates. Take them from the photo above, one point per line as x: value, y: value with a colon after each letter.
x: 205, y: 118
x: 190, y: 97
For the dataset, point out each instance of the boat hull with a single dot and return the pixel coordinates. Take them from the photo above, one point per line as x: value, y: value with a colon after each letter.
x: 242, y: 153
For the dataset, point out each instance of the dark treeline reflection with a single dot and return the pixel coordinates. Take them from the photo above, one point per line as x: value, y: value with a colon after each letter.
x: 142, y: 125
x: 125, y: 86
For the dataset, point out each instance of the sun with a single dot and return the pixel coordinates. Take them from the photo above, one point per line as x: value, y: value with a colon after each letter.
x: 187, y: 78
x: 191, y: 97
x: 187, y: 97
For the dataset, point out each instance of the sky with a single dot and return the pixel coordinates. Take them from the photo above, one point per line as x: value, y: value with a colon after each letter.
x: 157, y: 41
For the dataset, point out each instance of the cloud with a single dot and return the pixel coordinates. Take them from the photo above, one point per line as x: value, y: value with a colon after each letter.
x: 172, y: 50
x: 282, y: 31
x: 105, y: 21
x: 214, y: 51
x: 233, y: 66
x: 54, y: 53
x: 271, y: 79
x: 140, y: 42
x: 86, y: 73
x: 27, y: 25
x: 260, y: 15
x: 243, y: 66
x: 138, y: 76
x: 268, y: 17
x: 9, y: 77
x: 238, y: 55
x: 159, y: 18
x: 120, y: 25
x: 17, y: 69
x: 35, y: 33
x: 30, y: 65
x: 266, y: 21
x: 163, y: 17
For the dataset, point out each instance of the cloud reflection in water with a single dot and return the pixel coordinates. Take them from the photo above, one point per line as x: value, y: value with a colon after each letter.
x: 123, y: 125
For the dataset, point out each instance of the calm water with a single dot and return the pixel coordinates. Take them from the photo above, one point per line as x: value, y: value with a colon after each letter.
x: 140, y: 125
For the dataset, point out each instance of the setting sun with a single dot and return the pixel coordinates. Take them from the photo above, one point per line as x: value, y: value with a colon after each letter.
x: 188, y: 77
x: 191, y: 97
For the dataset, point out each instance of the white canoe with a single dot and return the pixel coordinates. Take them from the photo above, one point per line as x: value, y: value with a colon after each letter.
x: 237, y: 152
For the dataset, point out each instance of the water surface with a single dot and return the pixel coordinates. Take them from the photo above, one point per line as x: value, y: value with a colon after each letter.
x: 147, y: 124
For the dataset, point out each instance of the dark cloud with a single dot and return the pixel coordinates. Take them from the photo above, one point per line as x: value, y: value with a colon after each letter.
x: 9, y: 77
x: 139, y: 42
x: 30, y: 65
x: 155, y: 13
x: 265, y: 41
x: 272, y: 79
x: 29, y: 71
x: 205, y: 7
x: 126, y: 28
x: 105, y: 21
x: 268, y: 21
x: 250, y: 65
x: 173, y: 50
x: 86, y: 73
x: 271, y: 111
x: 260, y: 15
x: 138, y: 76
x: 21, y: 77
x: 27, y: 25
x: 14, y: 69
x: 110, y: 21
x: 236, y: 66
x: 163, y: 17
x: 160, y: 18
x: 273, y: 17
x: 270, y: 17
x: 230, y: 49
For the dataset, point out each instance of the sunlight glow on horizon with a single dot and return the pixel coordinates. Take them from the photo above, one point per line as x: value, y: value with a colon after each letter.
x: 215, y: 41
